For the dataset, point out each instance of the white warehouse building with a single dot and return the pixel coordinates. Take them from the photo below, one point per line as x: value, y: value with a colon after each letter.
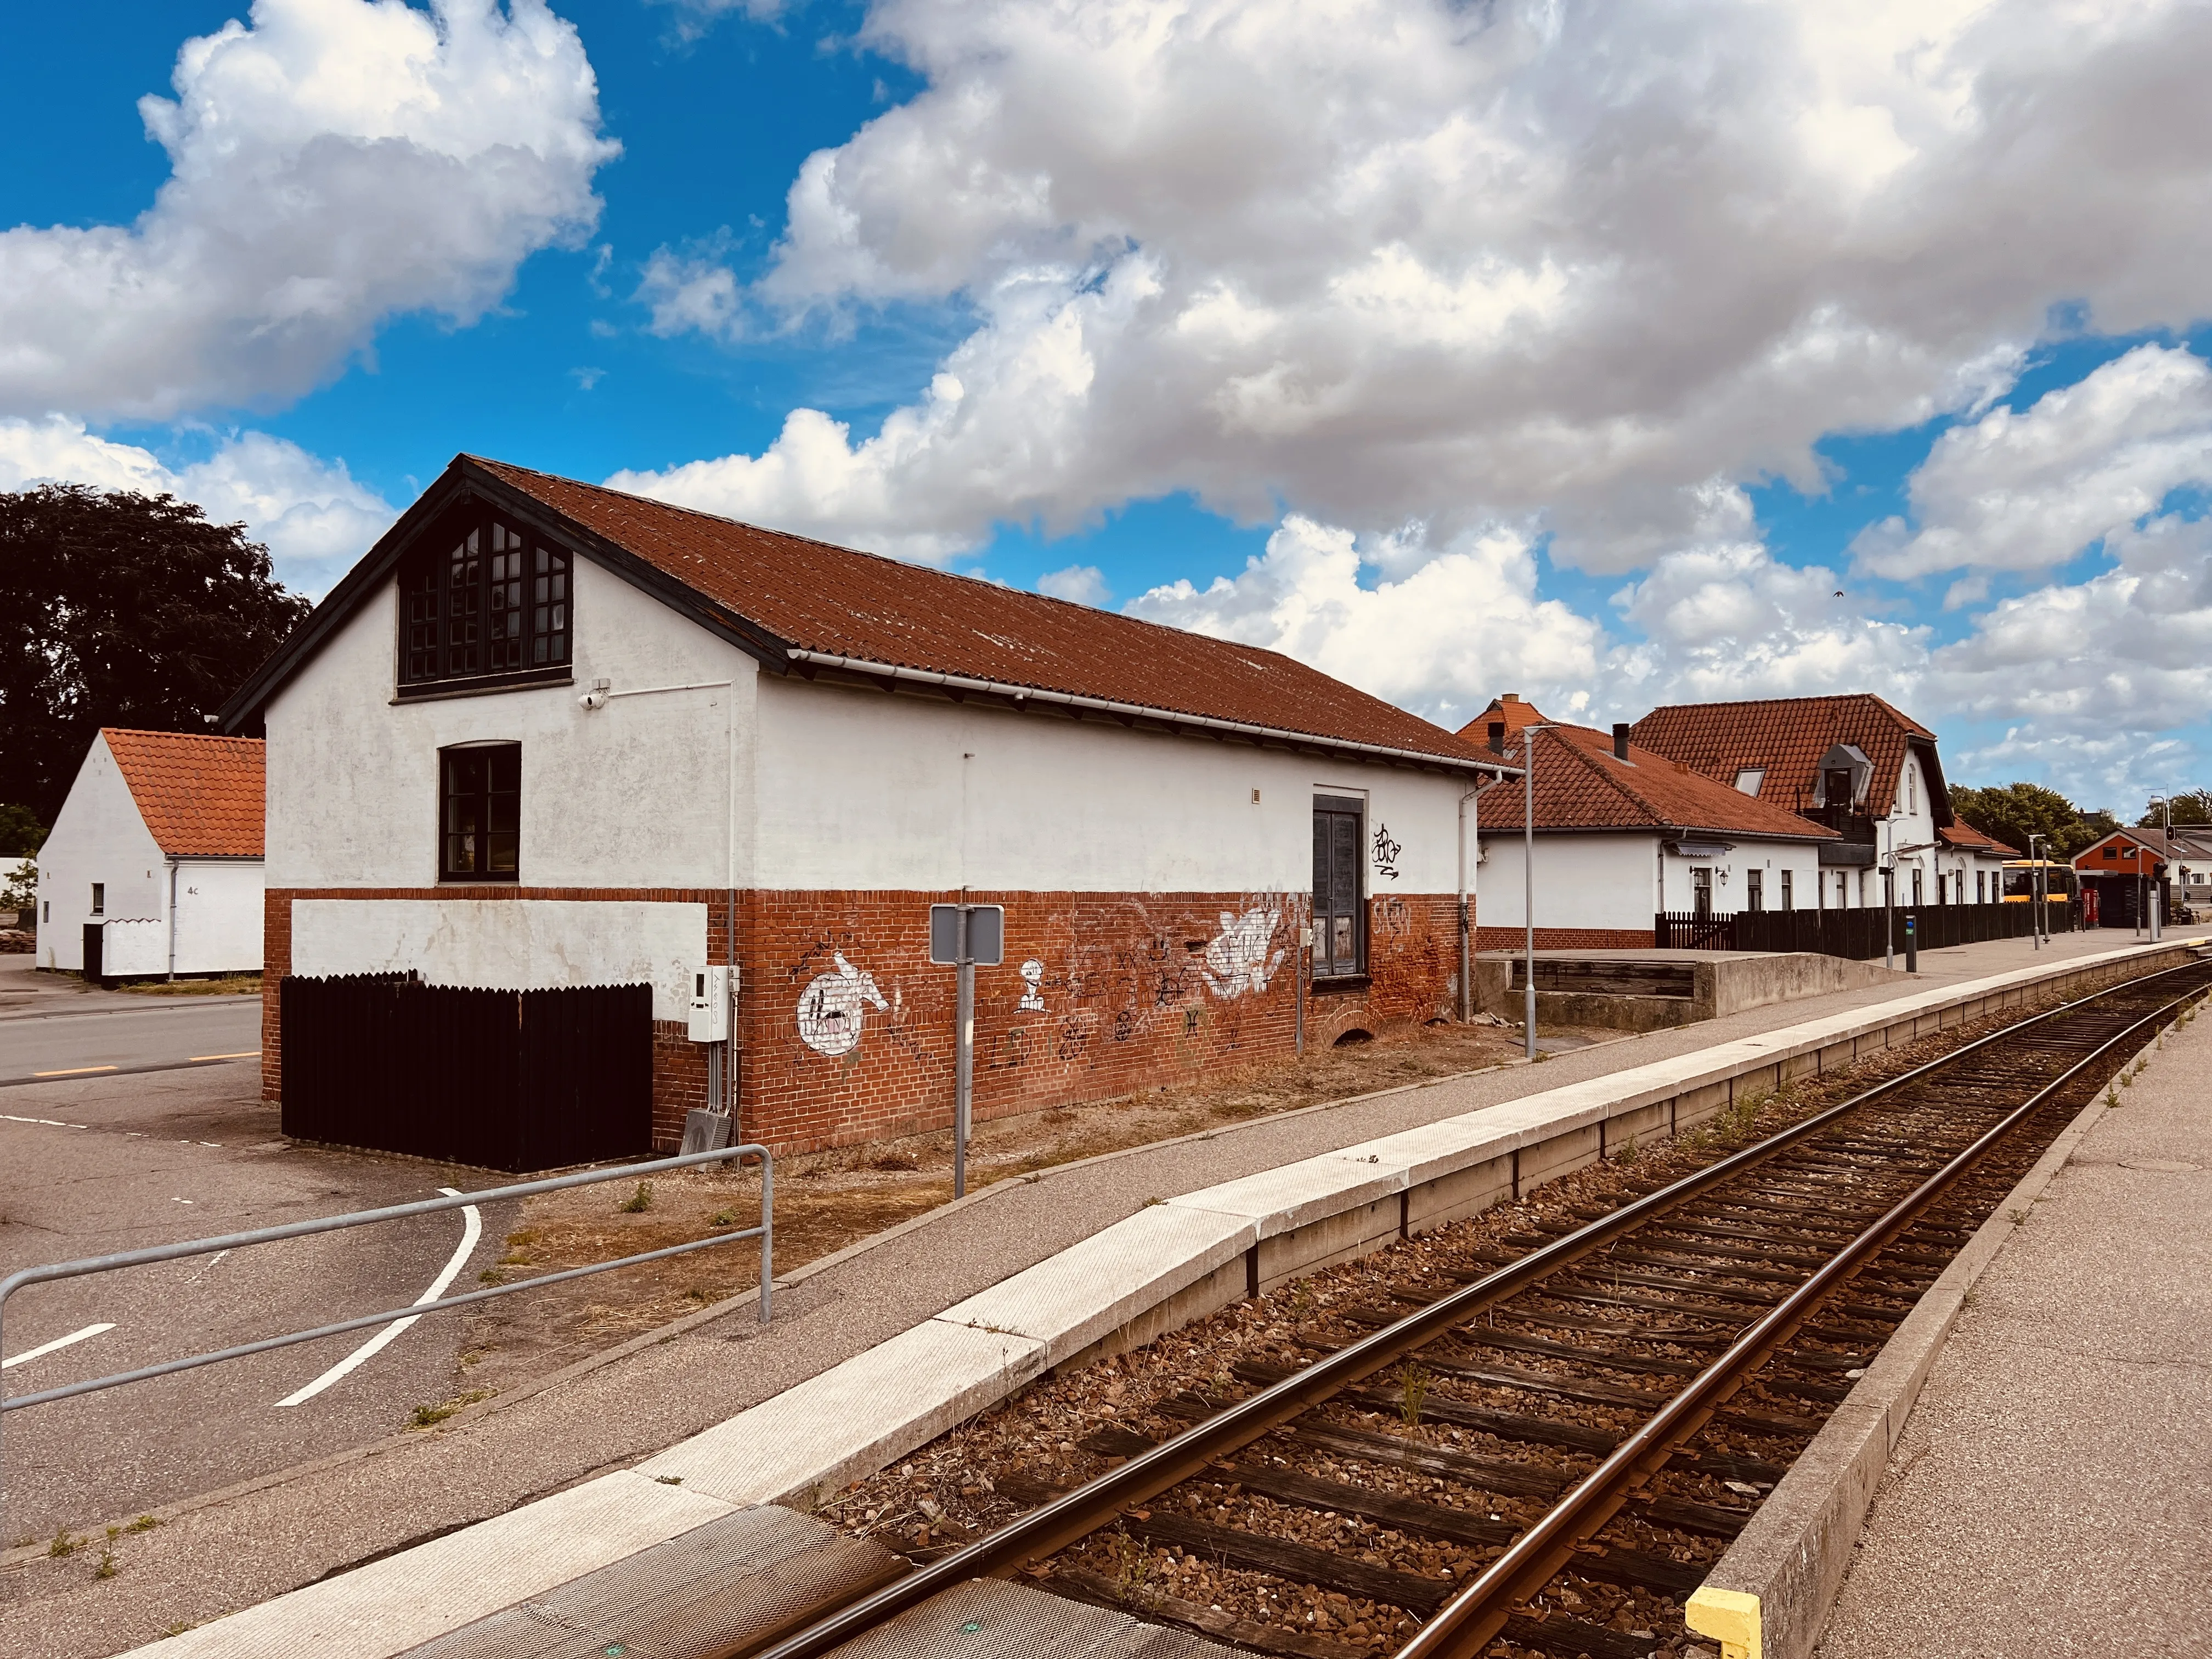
x: 154, y: 865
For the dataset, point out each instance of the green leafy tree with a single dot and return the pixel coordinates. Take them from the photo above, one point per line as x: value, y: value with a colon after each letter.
x: 21, y: 832
x: 121, y: 610
x: 2014, y: 811
x: 2195, y: 807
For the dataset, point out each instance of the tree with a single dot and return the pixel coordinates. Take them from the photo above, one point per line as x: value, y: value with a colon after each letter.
x: 21, y: 832
x: 121, y: 610
x: 2195, y: 807
x: 2013, y: 812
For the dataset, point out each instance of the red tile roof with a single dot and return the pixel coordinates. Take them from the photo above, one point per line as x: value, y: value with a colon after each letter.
x: 1968, y: 838
x: 837, y: 602
x: 1581, y: 786
x: 201, y: 796
x: 1787, y: 736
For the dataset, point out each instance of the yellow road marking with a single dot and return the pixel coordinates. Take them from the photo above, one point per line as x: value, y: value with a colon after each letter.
x: 244, y: 1053
x: 73, y: 1070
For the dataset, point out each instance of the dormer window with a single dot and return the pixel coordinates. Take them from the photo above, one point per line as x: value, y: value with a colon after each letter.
x: 1748, y: 780
x: 487, y: 604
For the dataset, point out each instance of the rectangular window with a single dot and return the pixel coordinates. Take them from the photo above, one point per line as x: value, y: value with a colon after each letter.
x: 1754, y: 890
x: 1339, y: 946
x: 45, y: 910
x: 1981, y: 887
x: 1788, y: 898
x: 480, y: 812
x: 492, y: 605
x: 1701, y: 889
x: 99, y: 898
x: 1915, y: 887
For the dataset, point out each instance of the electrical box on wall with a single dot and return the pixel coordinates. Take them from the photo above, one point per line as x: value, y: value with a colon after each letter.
x: 710, y: 1004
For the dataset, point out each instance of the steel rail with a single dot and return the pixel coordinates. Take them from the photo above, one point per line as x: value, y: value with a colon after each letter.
x: 1054, y: 1526
x: 1467, y: 1624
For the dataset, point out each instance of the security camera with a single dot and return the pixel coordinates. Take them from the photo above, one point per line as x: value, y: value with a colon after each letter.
x: 596, y: 696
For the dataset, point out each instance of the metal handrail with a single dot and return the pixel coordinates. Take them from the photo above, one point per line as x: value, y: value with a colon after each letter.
x: 765, y: 1232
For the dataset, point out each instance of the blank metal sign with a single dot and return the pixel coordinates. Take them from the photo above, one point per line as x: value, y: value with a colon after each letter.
x: 987, y: 934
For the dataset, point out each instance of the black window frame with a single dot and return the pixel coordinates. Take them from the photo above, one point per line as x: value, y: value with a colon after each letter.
x: 484, y: 603
x: 1338, y: 821
x: 99, y: 898
x: 470, y: 780
x: 1754, y: 890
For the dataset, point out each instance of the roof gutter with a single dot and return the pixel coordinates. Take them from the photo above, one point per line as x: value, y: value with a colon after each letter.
x: 1137, y: 711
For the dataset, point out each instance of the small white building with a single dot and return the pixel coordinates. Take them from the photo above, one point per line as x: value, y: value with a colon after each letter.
x: 1623, y: 834
x: 155, y: 862
x: 1970, y: 864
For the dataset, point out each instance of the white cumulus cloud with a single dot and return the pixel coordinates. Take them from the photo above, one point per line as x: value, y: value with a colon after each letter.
x: 1393, y: 261
x: 2027, y: 489
x: 333, y: 163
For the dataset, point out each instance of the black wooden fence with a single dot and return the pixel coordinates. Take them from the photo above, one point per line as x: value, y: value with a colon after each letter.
x: 511, y: 1080
x: 1856, y: 934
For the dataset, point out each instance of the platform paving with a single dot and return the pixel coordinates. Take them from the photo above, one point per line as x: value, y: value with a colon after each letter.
x: 255, y: 1544
x: 2051, y: 1492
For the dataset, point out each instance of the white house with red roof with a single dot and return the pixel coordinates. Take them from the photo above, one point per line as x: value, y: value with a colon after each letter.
x: 154, y: 865
x: 547, y: 735
x: 1623, y: 833
x: 1970, y: 864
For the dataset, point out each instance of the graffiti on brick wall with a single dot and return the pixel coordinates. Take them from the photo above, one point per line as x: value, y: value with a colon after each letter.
x: 832, y: 1008
x: 1242, y: 957
x: 1032, y: 986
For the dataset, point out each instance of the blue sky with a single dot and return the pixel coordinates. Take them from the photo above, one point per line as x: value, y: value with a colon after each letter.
x: 1107, y: 299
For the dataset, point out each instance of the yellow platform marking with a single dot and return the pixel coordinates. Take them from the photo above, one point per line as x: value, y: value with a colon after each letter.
x: 1730, y: 1615
x: 75, y: 1071
x: 243, y: 1054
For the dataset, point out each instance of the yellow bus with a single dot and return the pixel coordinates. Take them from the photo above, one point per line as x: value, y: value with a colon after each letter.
x: 2059, y: 882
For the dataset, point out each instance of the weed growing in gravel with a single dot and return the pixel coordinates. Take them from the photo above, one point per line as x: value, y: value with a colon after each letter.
x: 724, y: 1218
x: 107, y: 1567
x: 1627, y: 1156
x: 1416, y: 1391
x: 1135, y: 1564
x: 639, y: 1201
x: 143, y: 1523
x: 425, y: 1417
x: 64, y: 1544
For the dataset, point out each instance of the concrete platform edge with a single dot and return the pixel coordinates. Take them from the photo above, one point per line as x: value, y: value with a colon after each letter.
x: 1789, y: 1562
x: 1304, y: 1216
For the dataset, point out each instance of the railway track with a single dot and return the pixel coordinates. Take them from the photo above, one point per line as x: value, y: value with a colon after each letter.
x: 1539, y: 1447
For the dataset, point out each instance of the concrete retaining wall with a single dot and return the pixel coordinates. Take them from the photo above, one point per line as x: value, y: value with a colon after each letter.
x: 1724, y: 983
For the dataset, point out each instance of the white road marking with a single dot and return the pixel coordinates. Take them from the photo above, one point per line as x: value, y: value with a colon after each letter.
x: 472, y: 1230
x: 50, y: 1122
x: 59, y: 1342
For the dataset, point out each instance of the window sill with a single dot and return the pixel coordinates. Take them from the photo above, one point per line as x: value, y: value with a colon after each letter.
x: 439, y: 691
x: 1339, y: 982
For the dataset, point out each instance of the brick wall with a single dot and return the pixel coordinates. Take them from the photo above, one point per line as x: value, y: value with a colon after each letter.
x: 1130, y: 991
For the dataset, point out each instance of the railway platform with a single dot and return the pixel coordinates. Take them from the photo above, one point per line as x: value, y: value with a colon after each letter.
x: 2048, y: 1494
x: 544, y: 1487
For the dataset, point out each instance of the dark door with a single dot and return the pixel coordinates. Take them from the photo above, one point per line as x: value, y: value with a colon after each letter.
x: 95, y: 949
x: 1339, y: 942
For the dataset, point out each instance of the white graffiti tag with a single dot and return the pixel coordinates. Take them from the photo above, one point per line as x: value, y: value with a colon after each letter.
x: 1237, y: 961
x: 1032, y: 986
x: 830, y: 1010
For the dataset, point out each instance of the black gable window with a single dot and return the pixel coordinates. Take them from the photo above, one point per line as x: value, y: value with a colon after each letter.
x: 480, y: 812
x: 484, y: 602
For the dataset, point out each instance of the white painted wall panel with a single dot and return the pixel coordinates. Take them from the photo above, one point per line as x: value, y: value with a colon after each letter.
x: 1614, y: 881
x: 637, y: 794
x: 507, y: 944
x: 97, y: 836
x: 859, y: 789
x: 219, y: 913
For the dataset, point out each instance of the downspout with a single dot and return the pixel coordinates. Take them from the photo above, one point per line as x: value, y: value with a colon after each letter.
x: 1473, y: 797
x: 173, y: 918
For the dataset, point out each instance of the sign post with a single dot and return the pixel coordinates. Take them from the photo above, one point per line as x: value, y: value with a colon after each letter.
x: 961, y: 937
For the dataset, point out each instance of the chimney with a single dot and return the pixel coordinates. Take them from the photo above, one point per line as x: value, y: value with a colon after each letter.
x: 1497, y: 736
x: 1621, y: 740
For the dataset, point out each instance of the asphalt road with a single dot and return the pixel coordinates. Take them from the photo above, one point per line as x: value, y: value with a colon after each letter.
x: 50, y: 1024
x: 108, y: 1162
